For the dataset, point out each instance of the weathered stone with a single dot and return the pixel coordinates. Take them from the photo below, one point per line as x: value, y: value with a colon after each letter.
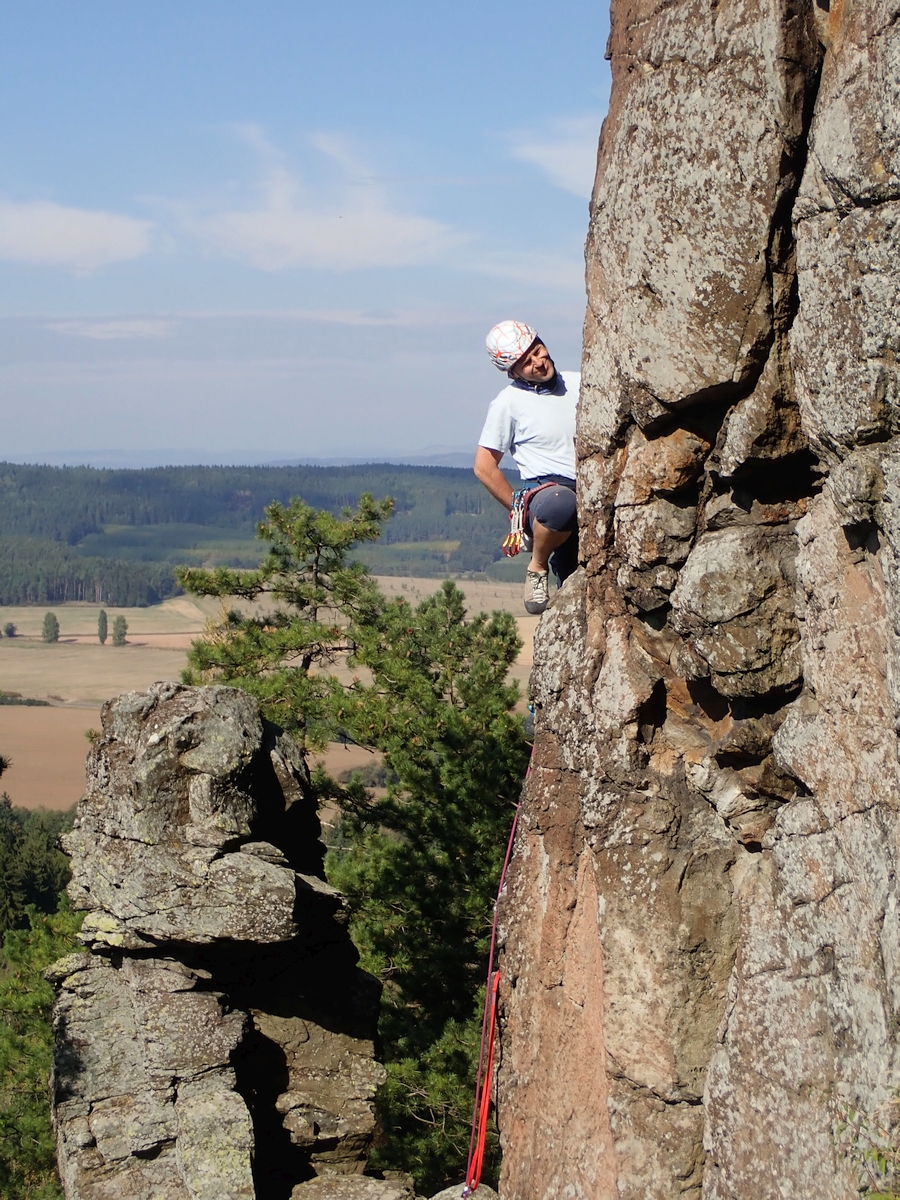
x: 454, y: 1193
x: 661, y: 464
x: 764, y: 427
x: 701, y: 925
x: 131, y: 1044
x: 331, y: 1082
x: 351, y: 1187
x: 219, y: 1031
x: 655, y: 532
x: 735, y: 595
x: 846, y: 339
x: 682, y: 190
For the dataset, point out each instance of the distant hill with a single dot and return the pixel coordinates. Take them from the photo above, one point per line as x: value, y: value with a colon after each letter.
x: 113, y: 535
x: 449, y: 458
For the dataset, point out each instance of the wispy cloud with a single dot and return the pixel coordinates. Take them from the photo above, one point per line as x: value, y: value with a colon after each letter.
x: 47, y: 234
x: 351, y: 223
x: 565, y: 150
x: 555, y: 272
x: 116, y: 329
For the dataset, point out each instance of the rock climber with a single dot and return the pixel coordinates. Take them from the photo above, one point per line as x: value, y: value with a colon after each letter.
x: 534, y: 419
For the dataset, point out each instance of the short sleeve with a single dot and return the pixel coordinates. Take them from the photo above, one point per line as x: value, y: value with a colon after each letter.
x: 499, y: 430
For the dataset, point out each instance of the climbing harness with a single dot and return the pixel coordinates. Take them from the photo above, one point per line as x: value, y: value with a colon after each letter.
x: 482, y: 1105
x: 518, y: 518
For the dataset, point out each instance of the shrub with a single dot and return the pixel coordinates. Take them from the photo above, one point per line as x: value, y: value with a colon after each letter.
x: 50, y: 628
x: 120, y: 628
x: 27, y: 1152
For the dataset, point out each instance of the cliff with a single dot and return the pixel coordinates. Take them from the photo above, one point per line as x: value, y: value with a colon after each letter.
x: 701, y: 933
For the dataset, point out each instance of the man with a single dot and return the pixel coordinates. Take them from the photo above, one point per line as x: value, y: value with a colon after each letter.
x: 534, y: 419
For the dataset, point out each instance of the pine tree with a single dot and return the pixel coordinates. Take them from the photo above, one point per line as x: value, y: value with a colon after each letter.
x: 50, y: 628
x: 420, y: 866
x: 102, y: 627
x: 119, y: 629
x: 12, y: 892
x: 279, y: 655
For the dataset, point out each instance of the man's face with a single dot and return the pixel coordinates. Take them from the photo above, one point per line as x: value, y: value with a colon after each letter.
x: 536, y: 365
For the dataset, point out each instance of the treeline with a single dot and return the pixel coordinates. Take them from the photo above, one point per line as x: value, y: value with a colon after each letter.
x: 68, y: 503
x: 111, y: 536
x: 48, y: 572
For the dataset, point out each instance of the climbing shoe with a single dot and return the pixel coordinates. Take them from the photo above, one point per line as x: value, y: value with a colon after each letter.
x: 537, y: 592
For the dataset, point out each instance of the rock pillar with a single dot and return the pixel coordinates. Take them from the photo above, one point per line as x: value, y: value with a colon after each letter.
x: 702, y: 937
x: 215, y: 1037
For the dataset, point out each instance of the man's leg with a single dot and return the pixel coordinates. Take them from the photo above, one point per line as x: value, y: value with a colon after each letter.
x: 564, y: 560
x: 545, y: 542
x: 553, y: 519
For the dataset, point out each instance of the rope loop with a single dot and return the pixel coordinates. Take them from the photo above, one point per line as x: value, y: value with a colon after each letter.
x: 481, y: 1109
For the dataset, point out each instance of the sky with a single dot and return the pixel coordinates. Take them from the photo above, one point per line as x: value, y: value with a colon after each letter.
x: 251, y: 232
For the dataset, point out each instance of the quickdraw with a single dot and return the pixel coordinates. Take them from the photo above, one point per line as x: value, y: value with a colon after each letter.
x: 518, y: 518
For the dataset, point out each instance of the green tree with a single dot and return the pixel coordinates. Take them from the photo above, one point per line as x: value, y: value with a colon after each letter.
x: 27, y: 1152
x: 102, y: 627
x: 9, y: 629
x: 420, y: 865
x: 279, y: 655
x: 50, y: 628
x: 33, y: 870
x: 119, y: 629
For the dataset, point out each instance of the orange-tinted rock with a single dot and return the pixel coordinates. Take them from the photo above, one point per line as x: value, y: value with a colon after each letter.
x: 702, y: 920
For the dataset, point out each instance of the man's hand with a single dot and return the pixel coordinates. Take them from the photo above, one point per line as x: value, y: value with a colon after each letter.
x: 487, y: 470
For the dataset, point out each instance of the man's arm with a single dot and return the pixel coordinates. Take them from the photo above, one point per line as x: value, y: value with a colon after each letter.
x: 487, y: 470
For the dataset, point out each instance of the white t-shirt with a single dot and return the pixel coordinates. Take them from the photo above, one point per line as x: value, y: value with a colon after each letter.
x: 537, y: 428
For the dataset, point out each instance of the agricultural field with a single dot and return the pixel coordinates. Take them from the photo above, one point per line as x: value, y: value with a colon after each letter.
x: 76, y: 675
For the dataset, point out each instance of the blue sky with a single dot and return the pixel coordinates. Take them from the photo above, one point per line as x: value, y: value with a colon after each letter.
x: 239, y: 232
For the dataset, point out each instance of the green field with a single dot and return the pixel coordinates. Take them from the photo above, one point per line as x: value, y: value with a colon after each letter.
x: 176, y: 543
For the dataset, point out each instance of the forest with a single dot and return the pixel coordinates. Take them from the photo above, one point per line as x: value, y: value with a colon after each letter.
x: 114, y: 536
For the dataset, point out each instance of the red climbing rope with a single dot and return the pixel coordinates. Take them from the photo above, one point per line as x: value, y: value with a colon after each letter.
x: 482, y: 1105
x: 482, y: 1101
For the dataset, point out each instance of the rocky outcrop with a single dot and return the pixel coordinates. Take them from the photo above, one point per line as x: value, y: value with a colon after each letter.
x: 215, y: 1037
x: 702, y: 943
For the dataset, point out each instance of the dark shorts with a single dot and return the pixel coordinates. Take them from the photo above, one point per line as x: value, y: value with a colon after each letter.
x: 556, y: 510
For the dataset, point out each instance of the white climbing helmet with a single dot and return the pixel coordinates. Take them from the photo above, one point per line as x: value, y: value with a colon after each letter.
x: 508, y: 341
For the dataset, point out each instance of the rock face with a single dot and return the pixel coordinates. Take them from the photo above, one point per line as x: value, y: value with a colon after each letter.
x: 215, y: 1038
x: 702, y: 935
